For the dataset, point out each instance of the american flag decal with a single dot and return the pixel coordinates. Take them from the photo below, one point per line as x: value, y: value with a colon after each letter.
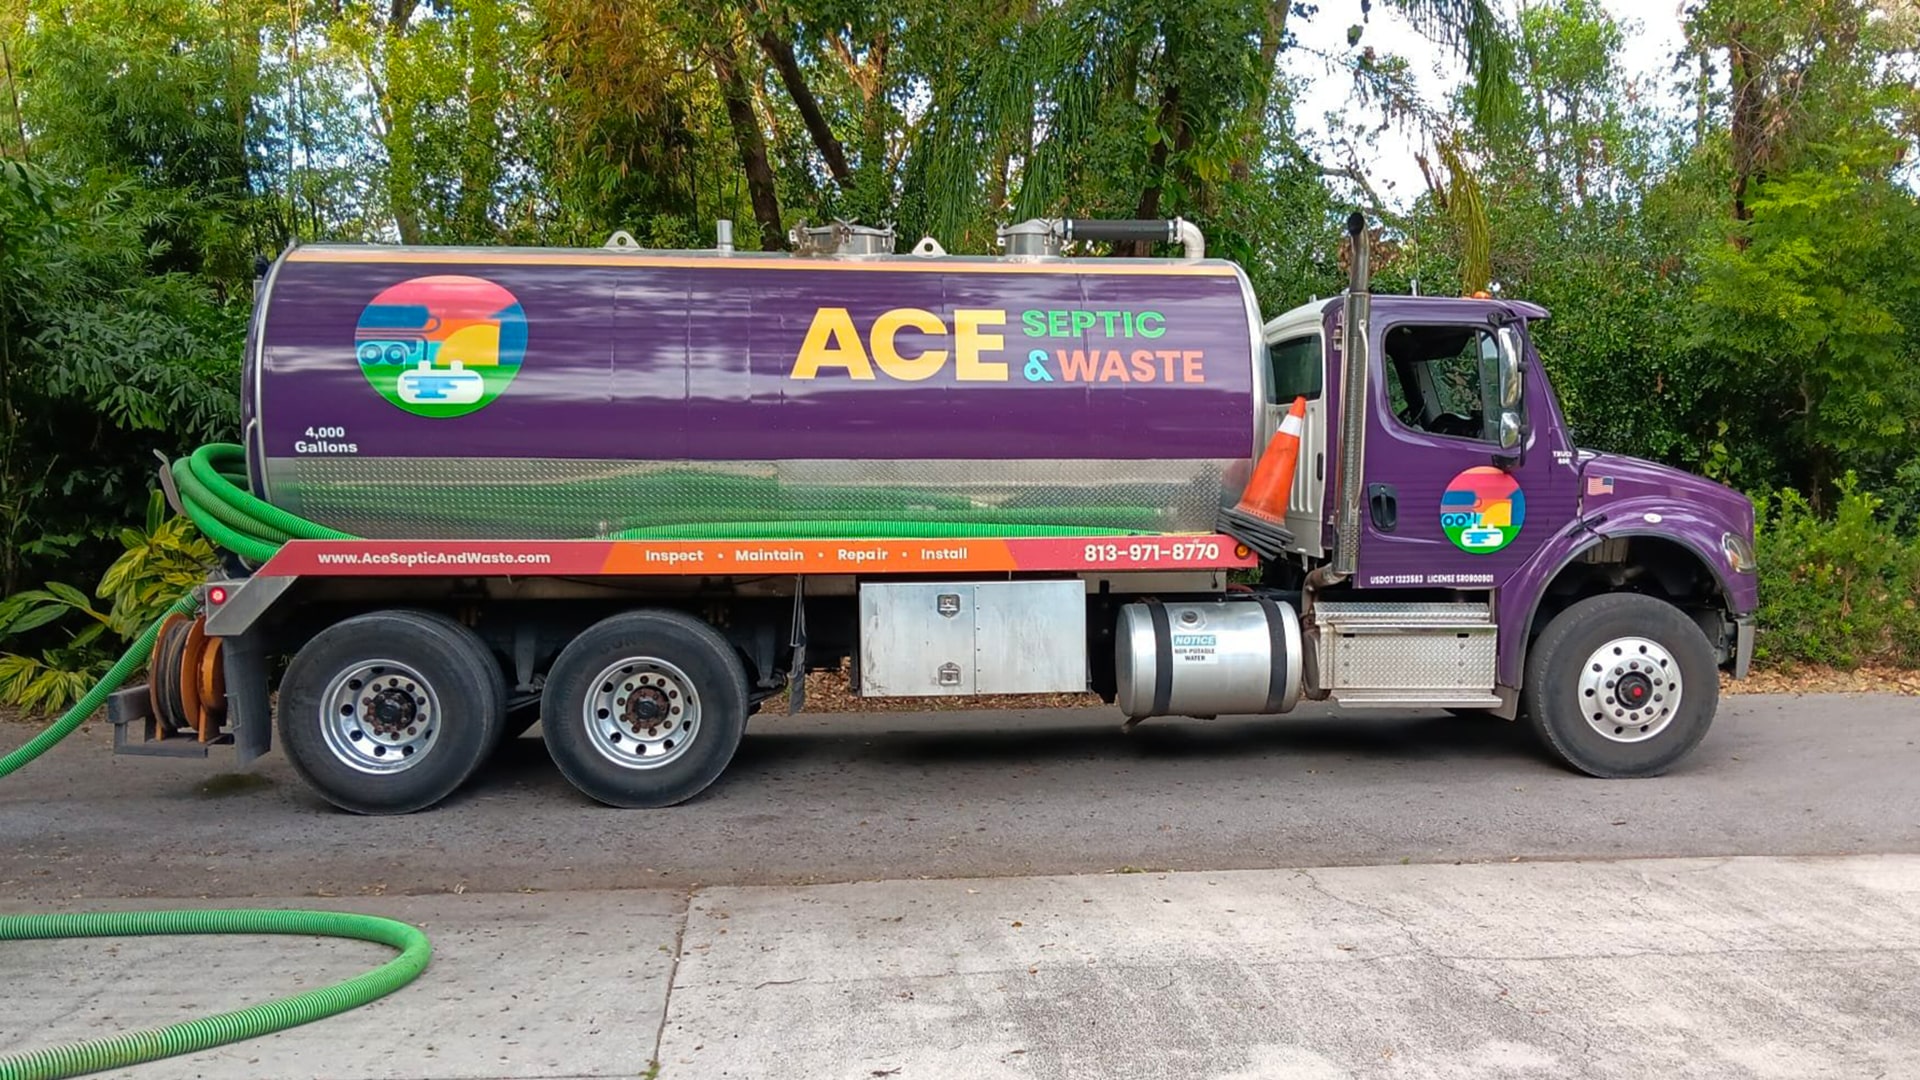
x: 1599, y: 485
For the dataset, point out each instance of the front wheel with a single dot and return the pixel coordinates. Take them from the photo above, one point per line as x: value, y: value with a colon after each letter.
x: 1621, y: 685
x: 644, y: 709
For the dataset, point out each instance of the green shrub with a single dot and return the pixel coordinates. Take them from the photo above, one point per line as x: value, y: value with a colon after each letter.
x: 1839, y: 590
x: 77, y: 641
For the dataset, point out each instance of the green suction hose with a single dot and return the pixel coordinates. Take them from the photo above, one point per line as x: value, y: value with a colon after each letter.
x: 212, y: 482
x: 857, y: 530
x: 119, y: 1051
x: 123, y: 669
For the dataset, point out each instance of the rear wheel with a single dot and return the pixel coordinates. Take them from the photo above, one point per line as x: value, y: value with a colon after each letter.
x: 1621, y: 685
x: 388, y: 713
x: 644, y: 709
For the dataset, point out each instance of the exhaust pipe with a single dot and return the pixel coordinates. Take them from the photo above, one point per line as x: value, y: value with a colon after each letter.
x: 1354, y: 373
x: 1355, y: 334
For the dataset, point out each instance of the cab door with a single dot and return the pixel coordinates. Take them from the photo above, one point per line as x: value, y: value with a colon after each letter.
x: 1449, y: 499
x: 1296, y: 367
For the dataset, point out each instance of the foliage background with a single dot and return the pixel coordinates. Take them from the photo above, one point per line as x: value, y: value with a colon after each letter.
x: 1732, y: 282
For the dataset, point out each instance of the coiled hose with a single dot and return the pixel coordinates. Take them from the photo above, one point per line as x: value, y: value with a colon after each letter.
x: 213, y: 488
x: 230, y: 516
x: 119, y: 1051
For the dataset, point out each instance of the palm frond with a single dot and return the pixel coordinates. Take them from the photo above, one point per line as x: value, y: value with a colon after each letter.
x: 1476, y: 31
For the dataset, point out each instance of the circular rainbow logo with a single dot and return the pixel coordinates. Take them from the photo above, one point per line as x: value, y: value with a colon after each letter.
x: 445, y: 345
x: 1482, y: 510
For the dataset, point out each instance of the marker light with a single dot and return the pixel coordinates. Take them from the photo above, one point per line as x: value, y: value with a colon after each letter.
x: 1739, y: 553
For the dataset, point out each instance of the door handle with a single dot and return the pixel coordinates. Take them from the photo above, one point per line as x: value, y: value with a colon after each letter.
x: 1384, y: 503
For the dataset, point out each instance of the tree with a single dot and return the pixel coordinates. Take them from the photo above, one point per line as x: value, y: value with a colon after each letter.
x: 1574, y: 133
x: 749, y: 140
x: 1796, y: 68
x: 105, y: 357
x: 1813, y: 309
x: 773, y: 31
x: 165, y: 95
x: 1807, y: 288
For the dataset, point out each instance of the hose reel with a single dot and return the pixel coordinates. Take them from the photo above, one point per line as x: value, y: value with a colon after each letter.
x: 187, y: 685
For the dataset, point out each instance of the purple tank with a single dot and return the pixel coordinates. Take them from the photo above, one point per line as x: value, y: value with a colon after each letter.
x: 531, y: 393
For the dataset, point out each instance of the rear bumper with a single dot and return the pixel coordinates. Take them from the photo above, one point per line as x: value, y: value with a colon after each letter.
x: 1742, y: 646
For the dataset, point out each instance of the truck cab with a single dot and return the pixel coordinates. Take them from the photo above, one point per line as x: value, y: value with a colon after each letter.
x: 1495, y: 564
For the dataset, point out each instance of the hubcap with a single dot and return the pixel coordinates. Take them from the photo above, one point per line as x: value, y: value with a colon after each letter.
x: 641, y: 713
x: 1630, y: 689
x: 380, y: 717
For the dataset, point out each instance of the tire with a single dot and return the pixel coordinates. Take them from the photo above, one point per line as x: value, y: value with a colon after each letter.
x: 644, y: 709
x: 1603, y: 656
x: 365, y: 761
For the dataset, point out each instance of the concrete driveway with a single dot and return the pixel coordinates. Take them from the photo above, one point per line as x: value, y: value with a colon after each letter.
x: 1754, y: 967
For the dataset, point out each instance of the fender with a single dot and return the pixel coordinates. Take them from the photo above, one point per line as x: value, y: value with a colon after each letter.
x: 1658, y: 518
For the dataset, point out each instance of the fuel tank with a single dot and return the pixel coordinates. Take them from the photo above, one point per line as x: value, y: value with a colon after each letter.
x: 407, y: 392
x: 1208, y: 659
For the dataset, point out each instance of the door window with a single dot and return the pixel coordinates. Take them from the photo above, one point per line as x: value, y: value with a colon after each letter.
x: 1295, y: 369
x: 1445, y: 380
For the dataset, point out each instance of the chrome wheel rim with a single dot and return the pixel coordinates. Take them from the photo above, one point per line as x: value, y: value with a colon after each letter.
x: 1630, y: 689
x: 641, y: 713
x: 380, y: 717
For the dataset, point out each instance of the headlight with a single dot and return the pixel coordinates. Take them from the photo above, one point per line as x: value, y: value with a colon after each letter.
x: 1739, y: 552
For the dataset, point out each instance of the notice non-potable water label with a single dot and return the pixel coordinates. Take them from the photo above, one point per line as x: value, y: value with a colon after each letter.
x: 1196, y: 649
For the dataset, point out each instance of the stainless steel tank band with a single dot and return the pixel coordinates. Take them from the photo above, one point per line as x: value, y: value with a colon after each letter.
x: 1162, y: 657
x: 1277, y: 631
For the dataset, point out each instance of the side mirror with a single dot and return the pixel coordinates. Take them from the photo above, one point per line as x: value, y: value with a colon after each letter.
x: 1513, y: 425
x: 1510, y: 384
x: 1510, y: 433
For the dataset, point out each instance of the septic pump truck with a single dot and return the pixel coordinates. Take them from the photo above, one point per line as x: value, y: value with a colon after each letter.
x: 637, y: 495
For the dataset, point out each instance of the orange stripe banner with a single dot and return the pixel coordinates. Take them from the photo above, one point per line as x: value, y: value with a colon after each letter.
x: 680, y: 558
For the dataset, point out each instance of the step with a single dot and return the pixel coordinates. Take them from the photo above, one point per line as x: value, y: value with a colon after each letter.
x: 1363, y: 616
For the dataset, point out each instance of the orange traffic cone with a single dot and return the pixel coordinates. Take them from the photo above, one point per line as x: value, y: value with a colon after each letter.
x: 1259, y: 519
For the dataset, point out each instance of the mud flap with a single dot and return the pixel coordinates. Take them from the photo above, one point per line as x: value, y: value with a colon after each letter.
x: 249, y: 714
